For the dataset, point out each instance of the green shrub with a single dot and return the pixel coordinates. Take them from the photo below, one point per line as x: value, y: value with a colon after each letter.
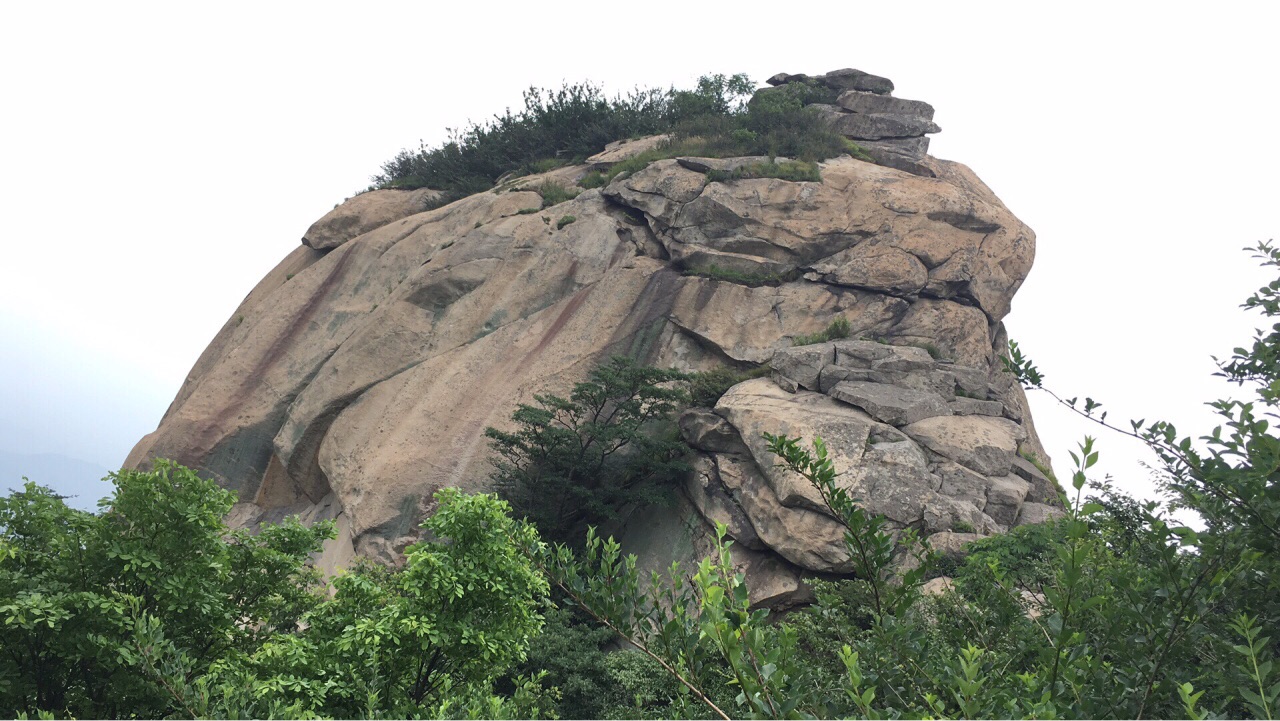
x: 565, y: 220
x: 706, y: 387
x: 577, y: 461
x: 837, y: 329
x: 555, y: 194
x: 528, y: 211
x: 932, y: 350
x: 594, y: 179
x: 715, y: 272
x: 544, y: 165
x: 857, y: 151
x: 561, y: 126
x: 82, y: 593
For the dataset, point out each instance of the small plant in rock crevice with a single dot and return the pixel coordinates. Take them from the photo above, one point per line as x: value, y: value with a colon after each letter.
x: 837, y: 329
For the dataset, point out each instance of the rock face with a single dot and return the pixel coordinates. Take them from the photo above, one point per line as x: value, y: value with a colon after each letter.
x: 356, y: 379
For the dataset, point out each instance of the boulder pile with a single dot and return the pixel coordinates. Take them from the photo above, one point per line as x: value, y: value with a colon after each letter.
x: 892, y: 131
x: 926, y: 442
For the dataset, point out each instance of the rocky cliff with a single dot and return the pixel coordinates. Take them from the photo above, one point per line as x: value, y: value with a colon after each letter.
x: 356, y: 379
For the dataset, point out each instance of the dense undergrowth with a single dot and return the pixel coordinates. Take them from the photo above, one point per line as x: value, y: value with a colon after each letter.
x: 723, y: 116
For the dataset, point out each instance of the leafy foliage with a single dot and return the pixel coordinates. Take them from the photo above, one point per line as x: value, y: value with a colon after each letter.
x: 77, y: 587
x: 412, y: 641
x: 706, y: 387
x: 582, y: 459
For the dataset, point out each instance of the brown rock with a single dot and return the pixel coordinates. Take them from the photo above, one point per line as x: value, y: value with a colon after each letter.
x: 621, y: 150
x: 364, y: 213
x: 894, y: 405
x: 986, y: 445
x: 355, y: 381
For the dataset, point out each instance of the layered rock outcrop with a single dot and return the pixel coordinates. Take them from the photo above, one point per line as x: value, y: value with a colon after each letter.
x: 356, y: 379
x: 892, y: 131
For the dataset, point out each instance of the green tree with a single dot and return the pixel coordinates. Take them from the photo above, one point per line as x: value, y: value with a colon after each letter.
x: 580, y: 460
x: 74, y: 587
x: 425, y: 640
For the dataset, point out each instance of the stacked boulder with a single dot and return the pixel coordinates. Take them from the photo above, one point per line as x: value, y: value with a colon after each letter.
x: 928, y: 443
x: 892, y: 131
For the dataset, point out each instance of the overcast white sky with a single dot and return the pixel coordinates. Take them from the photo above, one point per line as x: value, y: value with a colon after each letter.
x: 157, y: 159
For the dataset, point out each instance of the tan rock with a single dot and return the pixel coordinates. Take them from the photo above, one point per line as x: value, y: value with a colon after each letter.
x: 357, y: 379
x: 953, y: 545
x: 758, y: 406
x: 621, y: 150
x: 365, y: 212
x: 804, y: 537
x: 880, y: 268
x: 937, y: 586
x: 716, y: 504
x: 983, y: 444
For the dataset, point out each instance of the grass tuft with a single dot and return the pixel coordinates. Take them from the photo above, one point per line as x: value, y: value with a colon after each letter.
x: 838, y: 328
x: 755, y: 280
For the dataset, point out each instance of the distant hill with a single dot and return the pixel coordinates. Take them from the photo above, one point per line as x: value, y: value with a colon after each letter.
x: 80, y: 481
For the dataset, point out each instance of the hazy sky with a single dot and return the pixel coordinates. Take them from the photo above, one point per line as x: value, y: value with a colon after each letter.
x: 157, y: 159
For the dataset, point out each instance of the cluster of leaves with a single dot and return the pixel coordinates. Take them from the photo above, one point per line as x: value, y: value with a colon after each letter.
x: 580, y: 460
x: 706, y: 387
x: 722, y: 116
x: 567, y: 124
x: 78, y: 590
x: 428, y: 638
x: 838, y: 328
x: 152, y: 608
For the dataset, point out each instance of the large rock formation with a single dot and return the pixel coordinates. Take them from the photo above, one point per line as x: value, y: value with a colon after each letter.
x: 356, y: 379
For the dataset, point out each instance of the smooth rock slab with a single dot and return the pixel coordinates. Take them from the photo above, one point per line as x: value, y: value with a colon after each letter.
x: 962, y: 483
x: 1043, y: 490
x: 717, y: 504
x: 701, y: 428
x: 894, y: 405
x: 986, y: 445
x: 758, y: 406
x: 366, y: 212
x: 952, y: 545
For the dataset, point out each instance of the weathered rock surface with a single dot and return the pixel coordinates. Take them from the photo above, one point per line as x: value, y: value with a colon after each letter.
x: 358, y: 377
x: 365, y: 212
